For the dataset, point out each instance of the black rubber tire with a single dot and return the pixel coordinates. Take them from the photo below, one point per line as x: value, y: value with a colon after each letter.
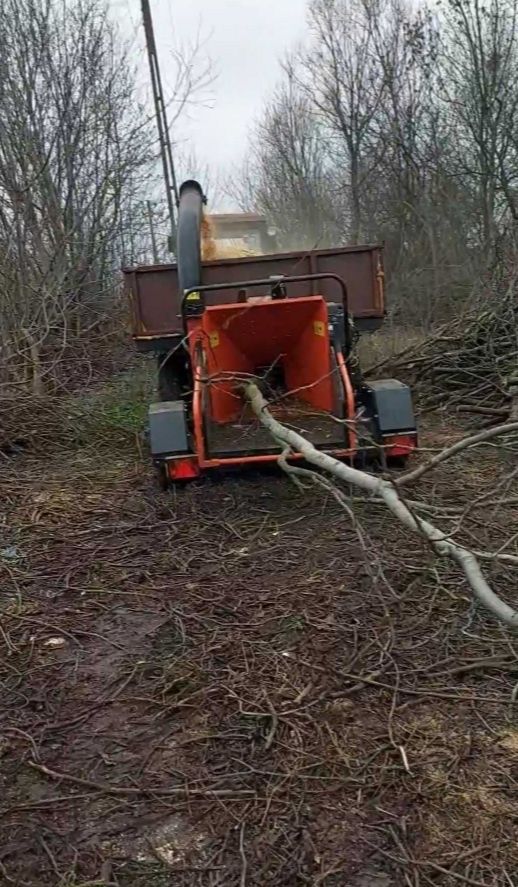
x: 162, y: 476
x: 397, y: 463
x: 169, y: 387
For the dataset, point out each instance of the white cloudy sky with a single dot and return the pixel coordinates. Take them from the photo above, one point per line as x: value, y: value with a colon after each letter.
x: 245, y: 40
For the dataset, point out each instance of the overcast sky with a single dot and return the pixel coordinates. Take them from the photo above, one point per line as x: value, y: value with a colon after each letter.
x: 246, y: 39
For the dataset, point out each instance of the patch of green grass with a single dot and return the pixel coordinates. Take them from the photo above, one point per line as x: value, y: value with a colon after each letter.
x: 291, y: 624
x: 288, y: 629
x: 114, y: 413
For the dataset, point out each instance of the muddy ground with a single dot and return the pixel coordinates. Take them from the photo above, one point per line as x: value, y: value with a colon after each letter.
x: 231, y: 684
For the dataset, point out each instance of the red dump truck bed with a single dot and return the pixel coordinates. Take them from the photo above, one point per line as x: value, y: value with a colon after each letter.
x: 154, y: 298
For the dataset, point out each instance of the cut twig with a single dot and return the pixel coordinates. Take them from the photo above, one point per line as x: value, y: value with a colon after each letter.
x: 127, y: 790
x: 456, y: 448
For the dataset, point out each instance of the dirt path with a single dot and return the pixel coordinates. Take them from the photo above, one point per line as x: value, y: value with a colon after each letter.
x: 216, y: 687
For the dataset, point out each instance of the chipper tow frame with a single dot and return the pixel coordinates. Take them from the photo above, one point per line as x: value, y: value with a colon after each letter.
x: 299, y: 347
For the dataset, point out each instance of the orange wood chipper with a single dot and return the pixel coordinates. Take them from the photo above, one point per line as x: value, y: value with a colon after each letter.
x: 289, y: 321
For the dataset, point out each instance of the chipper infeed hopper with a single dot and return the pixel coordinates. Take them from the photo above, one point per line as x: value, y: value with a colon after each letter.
x: 278, y: 330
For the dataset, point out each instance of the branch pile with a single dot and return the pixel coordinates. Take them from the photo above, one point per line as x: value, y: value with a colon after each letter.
x: 470, y: 364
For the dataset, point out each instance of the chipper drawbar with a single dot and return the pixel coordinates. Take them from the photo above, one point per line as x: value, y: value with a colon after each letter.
x: 215, y: 325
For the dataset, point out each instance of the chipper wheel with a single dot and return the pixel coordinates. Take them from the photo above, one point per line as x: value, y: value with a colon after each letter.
x: 169, y: 387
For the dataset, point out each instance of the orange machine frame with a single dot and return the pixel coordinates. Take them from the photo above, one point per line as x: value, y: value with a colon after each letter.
x: 205, y: 461
x: 198, y: 334
x: 207, y: 328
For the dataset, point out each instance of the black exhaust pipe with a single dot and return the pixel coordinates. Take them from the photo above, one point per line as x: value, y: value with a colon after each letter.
x: 188, y: 247
x: 174, y: 370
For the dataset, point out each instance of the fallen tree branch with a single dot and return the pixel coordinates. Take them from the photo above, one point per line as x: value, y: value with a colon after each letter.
x: 457, y: 447
x: 130, y: 790
x: 385, y: 490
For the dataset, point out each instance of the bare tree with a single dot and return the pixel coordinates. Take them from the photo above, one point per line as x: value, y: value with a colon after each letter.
x: 288, y: 174
x: 78, y: 164
x: 398, y: 124
x: 72, y: 140
x: 480, y: 71
x: 342, y: 76
x: 413, y: 199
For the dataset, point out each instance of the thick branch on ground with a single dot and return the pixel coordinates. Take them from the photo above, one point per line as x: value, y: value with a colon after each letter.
x: 463, y: 444
x: 386, y: 491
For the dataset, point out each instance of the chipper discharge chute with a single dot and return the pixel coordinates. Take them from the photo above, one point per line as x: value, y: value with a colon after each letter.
x: 216, y: 325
